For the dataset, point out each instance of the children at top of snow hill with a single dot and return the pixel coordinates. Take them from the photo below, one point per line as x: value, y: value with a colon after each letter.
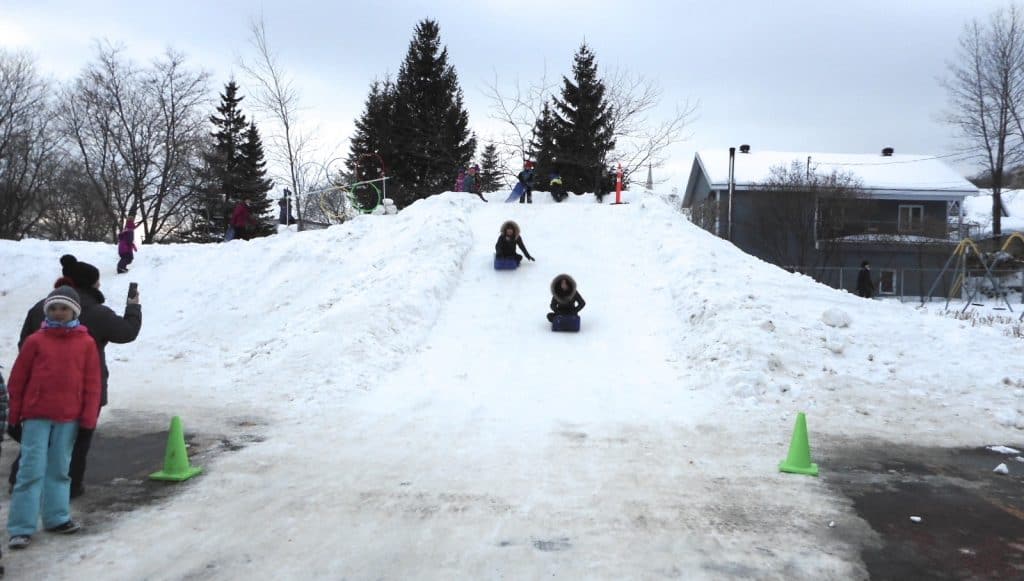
x: 471, y: 182
x: 565, y: 299
x: 558, y: 191
x: 526, y: 178
x: 54, y: 389
x: 460, y: 181
x: 509, y: 238
x: 126, y: 247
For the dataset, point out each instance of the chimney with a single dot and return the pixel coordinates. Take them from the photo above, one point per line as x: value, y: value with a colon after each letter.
x: 887, y: 152
x: 744, y: 148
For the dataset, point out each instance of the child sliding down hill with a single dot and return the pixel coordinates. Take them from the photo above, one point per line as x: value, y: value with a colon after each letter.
x: 565, y: 299
x: 505, y: 247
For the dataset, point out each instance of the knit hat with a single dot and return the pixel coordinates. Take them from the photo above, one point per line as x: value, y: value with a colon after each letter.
x: 64, y: 295
x: 83, y: 274
x: 129, y: 224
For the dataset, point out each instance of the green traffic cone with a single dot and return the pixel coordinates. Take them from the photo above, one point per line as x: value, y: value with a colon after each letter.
x: 799, y: 459
x: 176, y: 466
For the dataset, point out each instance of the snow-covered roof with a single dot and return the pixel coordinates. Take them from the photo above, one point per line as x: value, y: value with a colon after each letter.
x: 978, y: 209
x: 892, y: 176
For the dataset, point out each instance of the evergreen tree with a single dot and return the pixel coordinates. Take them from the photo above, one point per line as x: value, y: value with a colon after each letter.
x: 583, y: 130
x: 253, y: 183
x: 490, y: 179
x: 430, y: 125
x: 543, y: 150
x: 373, y: 133
x: 221, y: 171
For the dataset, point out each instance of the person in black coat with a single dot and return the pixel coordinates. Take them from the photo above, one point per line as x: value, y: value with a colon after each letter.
x: 105, y: 326
x: 865, y: 286
x: 565, y: 299
x: 509, y: 238
x: 525, y: 177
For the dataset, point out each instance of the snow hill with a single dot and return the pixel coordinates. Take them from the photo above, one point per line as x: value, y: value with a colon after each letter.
x: 422, y: 422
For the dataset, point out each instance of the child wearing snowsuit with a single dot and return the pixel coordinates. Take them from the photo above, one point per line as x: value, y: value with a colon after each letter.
x: 525, y: 177
x: 126, y: 247
x: 509, y: 238
x: 241, y: 221
x: 471, y: 183
x: 54, y: 389
x: 460, y: 181
x: 557, y: 189
x: 565, y: 299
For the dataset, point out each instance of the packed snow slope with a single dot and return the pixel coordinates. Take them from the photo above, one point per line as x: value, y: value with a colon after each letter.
x: 422, y: 421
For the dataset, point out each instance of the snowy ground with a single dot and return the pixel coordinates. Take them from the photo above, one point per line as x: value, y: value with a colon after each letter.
x: 422, y: 421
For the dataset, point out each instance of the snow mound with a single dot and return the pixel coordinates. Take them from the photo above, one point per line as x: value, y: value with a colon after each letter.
x: 1003, y: 449
x: 836, y: 318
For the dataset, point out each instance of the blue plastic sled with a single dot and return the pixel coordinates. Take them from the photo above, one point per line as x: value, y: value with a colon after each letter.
x: 505, y: 263
x: 566, y: 323
x: 516, y: 192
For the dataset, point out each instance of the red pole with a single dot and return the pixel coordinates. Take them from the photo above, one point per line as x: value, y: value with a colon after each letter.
x: 618, y: 185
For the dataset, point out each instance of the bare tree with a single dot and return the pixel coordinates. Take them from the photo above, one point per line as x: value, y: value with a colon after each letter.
x: 138, y: 134
x: 277, y: 97
x: 30, y: 150
x: 986, y: 93
x: 518, y: 110
x: 641, y: 140
x: 800, y: 214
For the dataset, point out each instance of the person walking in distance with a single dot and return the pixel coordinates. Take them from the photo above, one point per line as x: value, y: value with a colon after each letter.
x: 865, y: 286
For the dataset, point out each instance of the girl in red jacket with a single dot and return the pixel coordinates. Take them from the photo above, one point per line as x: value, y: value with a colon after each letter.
x: 54, y: 388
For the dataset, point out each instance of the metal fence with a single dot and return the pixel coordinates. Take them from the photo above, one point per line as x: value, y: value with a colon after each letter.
x: 913, y: 284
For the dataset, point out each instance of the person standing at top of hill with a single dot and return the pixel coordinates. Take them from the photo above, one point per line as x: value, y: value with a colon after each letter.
x: 471, y: 182
x: 525, y: 177
x: 242, y: 221
x: 460, y: 181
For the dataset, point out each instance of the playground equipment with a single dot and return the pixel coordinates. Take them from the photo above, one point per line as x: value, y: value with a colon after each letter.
x: 968, y: 261
x: 363, y: 196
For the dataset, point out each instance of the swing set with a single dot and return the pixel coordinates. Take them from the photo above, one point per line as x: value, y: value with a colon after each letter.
x: 968, y: 261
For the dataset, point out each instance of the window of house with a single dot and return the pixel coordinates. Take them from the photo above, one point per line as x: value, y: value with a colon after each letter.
x: 911, y: 218
x: 887, y: 282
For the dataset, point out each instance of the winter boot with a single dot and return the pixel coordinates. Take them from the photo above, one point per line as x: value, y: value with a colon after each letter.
x: 67, y: 528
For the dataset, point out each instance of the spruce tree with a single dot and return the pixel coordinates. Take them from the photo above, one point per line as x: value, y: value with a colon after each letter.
x: 221, y: 172
x: 543, y: 150
x: 490, y: 178
x: 253, y: 182
x: 583, y: 130
x: 430, y: 125
x: 373, y: 135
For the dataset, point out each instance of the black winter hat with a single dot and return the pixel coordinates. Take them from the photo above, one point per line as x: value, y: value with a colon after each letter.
x: 83, y: 274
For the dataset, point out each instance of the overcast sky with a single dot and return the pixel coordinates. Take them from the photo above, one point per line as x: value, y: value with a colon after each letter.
x: 802, y: 75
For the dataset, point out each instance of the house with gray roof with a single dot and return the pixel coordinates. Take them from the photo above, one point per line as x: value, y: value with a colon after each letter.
x: 822, y: 214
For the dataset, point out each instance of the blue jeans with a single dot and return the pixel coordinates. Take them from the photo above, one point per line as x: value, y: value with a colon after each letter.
x: 43, y: 476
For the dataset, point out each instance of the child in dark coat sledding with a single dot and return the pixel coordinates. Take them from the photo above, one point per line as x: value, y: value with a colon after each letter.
x: 54, y: 389
x: 565, y: 299
x: 126, y: 247
x: 505, y: 247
